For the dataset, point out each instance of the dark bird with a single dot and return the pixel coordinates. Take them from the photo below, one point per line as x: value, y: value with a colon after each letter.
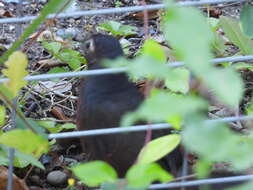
x: 103, y: 100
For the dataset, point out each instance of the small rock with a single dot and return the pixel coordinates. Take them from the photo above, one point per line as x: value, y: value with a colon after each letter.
x: 79, y: 37
x: 127, y: 1
x: 57, y: 178
x: 35, y: 179
x: 68, y: 33
x: 46, y: 159
x: 43, y: 1
x: 35, y: 188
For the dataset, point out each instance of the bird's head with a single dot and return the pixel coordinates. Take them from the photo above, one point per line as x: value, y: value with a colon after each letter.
x: 103, y: 46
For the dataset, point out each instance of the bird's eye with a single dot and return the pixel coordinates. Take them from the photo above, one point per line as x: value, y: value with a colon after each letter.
x: 92, y: 45
x: 87, y: 45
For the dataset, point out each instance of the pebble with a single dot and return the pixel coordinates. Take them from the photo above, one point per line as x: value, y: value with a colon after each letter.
x: 35, y: 179
x: 57, y: 178
x: 68, y: 33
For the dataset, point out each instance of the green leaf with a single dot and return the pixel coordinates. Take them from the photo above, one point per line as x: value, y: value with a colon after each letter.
x: 142, y: 175
x: 146, y: 66
x: 72, y: 58
x: 242, y: 65
x: 153, y: 49
x: 3, y: 157
x: 16, y: 71
x: 246, y: 18
x: 94, y: 173
x: 196, y: 54
x: 117, y: 28
x: 162, y: 105
x: 233, y: 31
x: 52, y: 47
x: 214, y: 23
x: 6, y: 93
x: 188, y: 33
x: 227, y: 85
x: 218, y: 45
x: 68, y: 126
x: 58, y: 70
x: 49, y: 8
x: 24, y: 122
x: 25, y: 141
x: 2, y: 115
x: 175, y: 121
x: 142, y: 66
x: 110, y: 26
x: 109, y: 186
x: 202, y: 168
x: 180, y: 80
x: 158, y: 148
x: 49, y: 125
x: 215, y: 142
x: 21, y: 160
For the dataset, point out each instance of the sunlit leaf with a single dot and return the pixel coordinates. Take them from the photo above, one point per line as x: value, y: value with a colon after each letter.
x: 2, y: 115
x: 94, y: 173
x: 142, y: 175
x: 153, y: 49
x: 16, y: 71
x: 25, y: 141
x: 21, y: 160
x: 158, y: 148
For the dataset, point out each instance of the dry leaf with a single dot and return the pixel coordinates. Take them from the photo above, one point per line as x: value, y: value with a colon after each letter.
x: 18, y: 184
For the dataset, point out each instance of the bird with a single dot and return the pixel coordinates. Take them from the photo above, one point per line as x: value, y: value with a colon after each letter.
x: 103, y: 101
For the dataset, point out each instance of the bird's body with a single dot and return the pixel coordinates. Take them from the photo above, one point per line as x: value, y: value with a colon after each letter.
x: 103, y: 100
x: 103, y: 109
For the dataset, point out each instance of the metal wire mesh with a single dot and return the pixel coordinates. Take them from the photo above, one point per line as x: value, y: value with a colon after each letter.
x: 119, y: 70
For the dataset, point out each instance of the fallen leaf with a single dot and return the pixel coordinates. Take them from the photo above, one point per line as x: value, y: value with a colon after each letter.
x: 18, y: 184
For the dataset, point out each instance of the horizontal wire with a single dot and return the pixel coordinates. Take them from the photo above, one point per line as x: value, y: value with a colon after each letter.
x: 135, y: 128
x: 118, y: 70
x: 115, y: 10
x: 108, y: 131
x: 218, y: 60
x: 203, y: 182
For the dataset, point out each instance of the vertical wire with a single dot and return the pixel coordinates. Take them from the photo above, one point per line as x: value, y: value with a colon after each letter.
x: 185, y: 168
x: 11, y: 154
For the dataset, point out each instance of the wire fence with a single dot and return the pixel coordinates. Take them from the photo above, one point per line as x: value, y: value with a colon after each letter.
x: 116, y: 10
x: 22, y: 19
